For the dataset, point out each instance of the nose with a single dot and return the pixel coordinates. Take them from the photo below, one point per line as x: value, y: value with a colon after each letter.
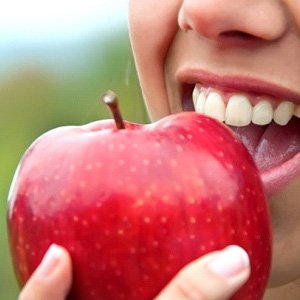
x: 262, y: 19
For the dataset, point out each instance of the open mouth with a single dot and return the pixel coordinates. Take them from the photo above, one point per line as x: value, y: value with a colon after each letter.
x: 268, y: 127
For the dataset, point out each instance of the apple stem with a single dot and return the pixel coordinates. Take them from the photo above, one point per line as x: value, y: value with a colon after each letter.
x: 111, y: 100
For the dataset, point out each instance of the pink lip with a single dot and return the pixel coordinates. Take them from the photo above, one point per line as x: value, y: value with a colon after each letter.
x: 236, y: 83
x: 276, y: 178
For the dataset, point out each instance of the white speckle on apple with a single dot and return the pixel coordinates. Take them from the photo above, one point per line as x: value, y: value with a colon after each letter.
x: 148, y: 193
x: 84, y: 223
x: 202, y: 248
x: 221, y: 139
x: 173, y: 163
x: 208, y: 220
x: 146, y: 162
x: 56, y: 232
x: 27, y: 246
x: 229, y: 166
x: 147, y: 220
x: 99, y: 164
x: 192, y: 236
x: 33, y: 253
x: 221, y: 154
x: 121, y: 162
x: 99, y: 204
x: 189, y: 136
x: 72, y: 168
x: 182, y: 137
x: 163, y: 220
x: 68, y: 200
x: 107, y: 232
x: 113, y: 263
x: 21, y: 220
x: 75, y: 218
x: 165, y: 198
x: 212, y: 243
x: 159, y: 162
x: 140, y: 202
x: 132, y: 250
x: 155, y: 243
x: 120, y: 182
x: 121, y: 147
x: 120, y: 232
x: 146, y: 277
x: 193, y: 220
x: 82, y: 184
x: 132, y: 169
x: 143, y: 250
x: 179, y: 148
x: 153, y: 187
x: 220, y: 207
x: 125, y: 219
x: 89, y: 167
x: 157, y: 144
x: 191, y: 200
x: 178, y: 188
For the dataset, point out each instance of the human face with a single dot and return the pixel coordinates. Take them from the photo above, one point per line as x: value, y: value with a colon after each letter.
x: 249, y: 48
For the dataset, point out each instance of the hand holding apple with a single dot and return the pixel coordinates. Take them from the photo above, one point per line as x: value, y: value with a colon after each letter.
x: 134, y: 204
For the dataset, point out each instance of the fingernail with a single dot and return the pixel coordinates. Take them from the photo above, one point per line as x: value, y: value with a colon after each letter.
x: 230, y: 262
x: 50, y: 261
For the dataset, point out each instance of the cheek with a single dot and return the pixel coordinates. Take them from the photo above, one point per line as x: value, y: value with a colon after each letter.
x: 152, y: 27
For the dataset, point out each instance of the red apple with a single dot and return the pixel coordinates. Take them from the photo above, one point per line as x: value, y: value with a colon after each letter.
x: 134, y: 205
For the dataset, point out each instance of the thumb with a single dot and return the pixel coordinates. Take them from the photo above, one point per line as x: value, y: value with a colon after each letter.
x: 52, y: 279
x: 215, y: 276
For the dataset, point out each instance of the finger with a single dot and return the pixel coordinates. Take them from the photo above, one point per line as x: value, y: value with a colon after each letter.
x: 216, y: 276
x: 52, y: 279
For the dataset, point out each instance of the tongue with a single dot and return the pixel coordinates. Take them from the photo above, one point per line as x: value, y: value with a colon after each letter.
x: 271, y: 145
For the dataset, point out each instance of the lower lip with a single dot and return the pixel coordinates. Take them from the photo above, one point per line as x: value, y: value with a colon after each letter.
x: 278, y: 178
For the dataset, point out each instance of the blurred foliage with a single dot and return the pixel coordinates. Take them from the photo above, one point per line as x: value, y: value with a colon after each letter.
x: 35, y: 99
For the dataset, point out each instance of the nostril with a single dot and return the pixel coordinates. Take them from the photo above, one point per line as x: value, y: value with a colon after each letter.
x: 238, y: 34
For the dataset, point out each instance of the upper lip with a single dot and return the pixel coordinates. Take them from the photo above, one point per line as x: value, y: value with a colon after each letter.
x: 237, y: 83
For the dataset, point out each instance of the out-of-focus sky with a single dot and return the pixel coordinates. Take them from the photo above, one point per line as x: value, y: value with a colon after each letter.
x: 38, y: 21
x: 39, y: 31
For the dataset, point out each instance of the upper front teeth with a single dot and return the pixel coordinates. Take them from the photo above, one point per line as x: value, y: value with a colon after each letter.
x: 239, y: 111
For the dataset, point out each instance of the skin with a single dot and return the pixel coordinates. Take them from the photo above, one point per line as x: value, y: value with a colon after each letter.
x: 225, y: 37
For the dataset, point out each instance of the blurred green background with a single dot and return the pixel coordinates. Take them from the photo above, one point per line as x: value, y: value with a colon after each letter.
x: 51, y: 78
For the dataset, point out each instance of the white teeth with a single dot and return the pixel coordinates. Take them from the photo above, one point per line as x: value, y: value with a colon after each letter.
x: 215, y: 106
x: 200, y: 105
x: 238, y: 111
x: 297, y: 111
x: 283, y: 113
x: 196, y: 93
x: 262, y: 113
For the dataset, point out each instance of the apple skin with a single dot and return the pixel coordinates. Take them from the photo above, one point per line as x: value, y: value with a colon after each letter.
x: 133, y: 206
